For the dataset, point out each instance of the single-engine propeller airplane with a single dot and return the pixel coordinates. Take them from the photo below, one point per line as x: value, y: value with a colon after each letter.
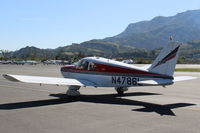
x: 102, y: 72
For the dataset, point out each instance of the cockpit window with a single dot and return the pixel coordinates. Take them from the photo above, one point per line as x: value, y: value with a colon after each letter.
x: 82, y: 65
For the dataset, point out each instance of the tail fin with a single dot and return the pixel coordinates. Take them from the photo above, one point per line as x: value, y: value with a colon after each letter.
x: 166, y: 61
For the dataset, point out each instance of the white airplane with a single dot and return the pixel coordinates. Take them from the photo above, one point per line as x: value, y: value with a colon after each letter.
x: 102, y: 72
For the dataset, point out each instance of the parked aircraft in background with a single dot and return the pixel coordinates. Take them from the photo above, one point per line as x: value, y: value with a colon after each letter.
x: 102, y: 72
x: 16, y: 62
x: 130, y: 61
x: 56, y: 62
x: 31, y: 62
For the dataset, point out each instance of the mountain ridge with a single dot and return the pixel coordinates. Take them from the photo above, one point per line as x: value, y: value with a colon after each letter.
x: 184, y: 27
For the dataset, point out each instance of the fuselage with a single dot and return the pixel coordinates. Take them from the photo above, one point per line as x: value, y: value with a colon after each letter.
x: 108, y: 73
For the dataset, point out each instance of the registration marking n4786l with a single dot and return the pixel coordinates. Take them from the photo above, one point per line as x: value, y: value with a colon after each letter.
x: 122, y: 80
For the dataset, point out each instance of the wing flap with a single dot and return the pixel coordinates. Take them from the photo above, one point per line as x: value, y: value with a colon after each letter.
x: 47, y: 80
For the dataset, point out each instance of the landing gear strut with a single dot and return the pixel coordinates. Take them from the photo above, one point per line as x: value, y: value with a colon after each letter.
x: 121, y: 90
x: 73, y: 91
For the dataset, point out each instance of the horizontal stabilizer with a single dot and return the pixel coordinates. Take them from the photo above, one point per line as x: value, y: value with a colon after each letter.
x: 182, y: 78
x: 154, y: 82
x: 164, y: 81
x: 47, y: 80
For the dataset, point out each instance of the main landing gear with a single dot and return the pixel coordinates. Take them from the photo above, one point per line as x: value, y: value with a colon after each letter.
x: 73, y: 91
x: 121, y: 90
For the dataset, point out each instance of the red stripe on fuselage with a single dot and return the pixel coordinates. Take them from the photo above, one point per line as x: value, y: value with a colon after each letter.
x: 104, y: 68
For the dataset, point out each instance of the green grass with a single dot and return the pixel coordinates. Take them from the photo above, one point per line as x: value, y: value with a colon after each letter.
x: 187, y: 69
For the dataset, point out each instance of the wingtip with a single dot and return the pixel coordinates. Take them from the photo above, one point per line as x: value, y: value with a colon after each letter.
x: 4, y: 75
x: 9, y: 77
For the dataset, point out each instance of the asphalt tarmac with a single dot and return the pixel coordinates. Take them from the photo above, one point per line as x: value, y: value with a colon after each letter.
x: 31, y: 108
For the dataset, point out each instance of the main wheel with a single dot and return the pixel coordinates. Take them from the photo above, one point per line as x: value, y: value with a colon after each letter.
x: 73, y: 91
x: 121, y: 90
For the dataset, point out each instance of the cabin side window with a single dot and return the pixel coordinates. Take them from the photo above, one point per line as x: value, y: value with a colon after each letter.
x: 92, y: 66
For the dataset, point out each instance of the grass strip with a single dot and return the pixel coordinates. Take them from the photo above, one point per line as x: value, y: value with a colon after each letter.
x: 187, y: 69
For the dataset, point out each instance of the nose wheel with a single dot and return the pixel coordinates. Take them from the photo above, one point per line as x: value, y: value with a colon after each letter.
x: 121, y: 90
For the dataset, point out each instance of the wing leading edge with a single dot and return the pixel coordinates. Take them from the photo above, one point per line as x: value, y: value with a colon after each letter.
x: 48, y: 80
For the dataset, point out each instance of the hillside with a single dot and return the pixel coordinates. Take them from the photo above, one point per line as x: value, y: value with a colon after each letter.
x: 32, y: 53
x: 191, y: 52
x: 93, y: 47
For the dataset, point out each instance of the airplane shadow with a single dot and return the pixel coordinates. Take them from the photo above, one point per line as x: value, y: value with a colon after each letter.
x: 113, y: 99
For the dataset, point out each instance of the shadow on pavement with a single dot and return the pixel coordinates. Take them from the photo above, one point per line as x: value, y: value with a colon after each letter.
x: 113, y: 99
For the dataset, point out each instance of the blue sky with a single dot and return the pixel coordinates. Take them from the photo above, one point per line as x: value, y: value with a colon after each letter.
x: 53, y: 23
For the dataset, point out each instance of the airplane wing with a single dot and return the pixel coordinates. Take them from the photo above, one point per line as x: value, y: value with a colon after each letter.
x: 48, y: 80
x: 164, y: 81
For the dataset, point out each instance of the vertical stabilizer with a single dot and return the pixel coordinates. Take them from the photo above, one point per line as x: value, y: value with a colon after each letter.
x: 166, y: 61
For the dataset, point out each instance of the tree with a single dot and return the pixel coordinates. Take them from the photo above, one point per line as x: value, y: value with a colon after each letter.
x: 5, y: 54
